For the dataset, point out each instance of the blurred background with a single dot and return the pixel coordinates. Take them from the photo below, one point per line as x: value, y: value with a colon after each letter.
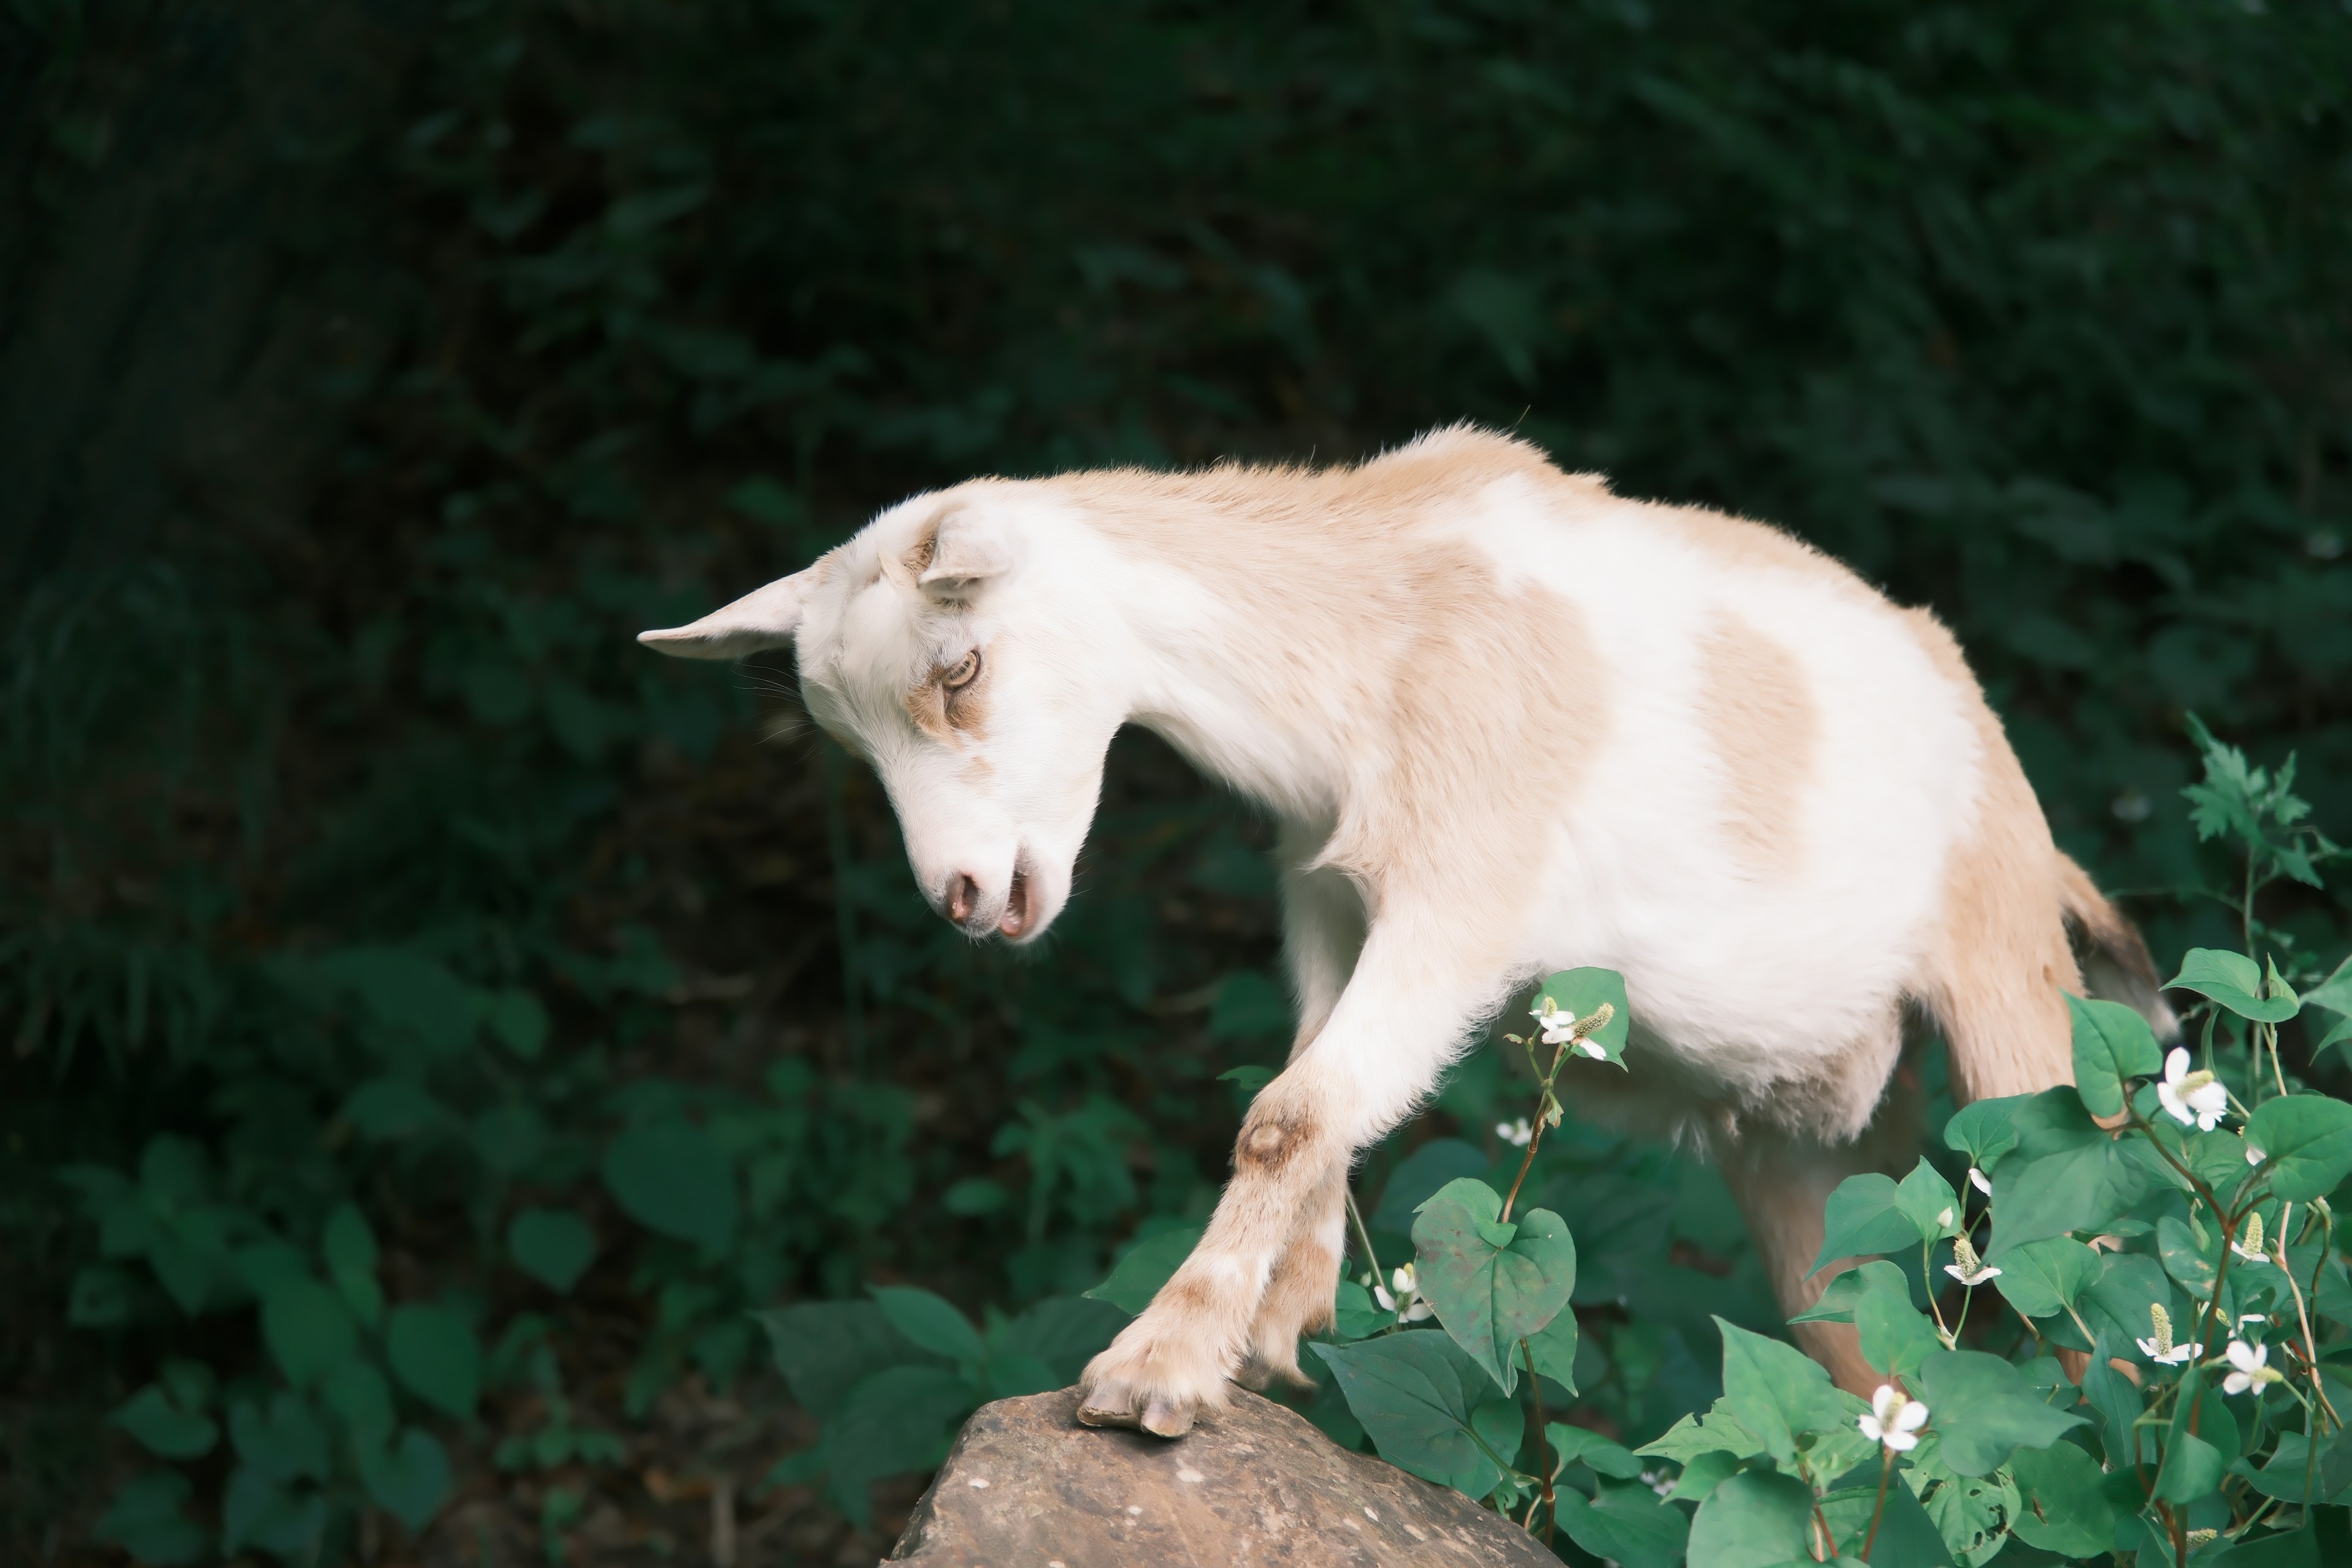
x: 376, y: 912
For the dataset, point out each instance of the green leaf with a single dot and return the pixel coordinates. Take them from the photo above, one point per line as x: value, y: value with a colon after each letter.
x: 1414, y: 1394
x: 2192, y: 1467
x: 2112, y: 1044
x: 1982, y: 1130
x: 673, y: 1178
x: 1928, y: 1202
x: 308, y: 1329
x: 1895, y: 1336
x: 1583, y: 992
x: 1554, y: 1345
x: 896, y: 1421
x: 2235, y: 981
x: 1146, y: 1267
x: 1984, y: 1409
x: 2041, y: 1279
x: 929, y: 1322
x: 1967, y: 1516
x: 1583, y: 1446
x: 258, y: 1511
x: 349, y: 1246
x: 145, y: 1520
x: 1907, y: 1536
x: 518, y: 1021
x: 164, y: 1428
x: 1626, y: 1524
x: 554, y: 1246
x: 389, y: 1109
x: 1775, y: 1390
x: 2087, y: 1187
x: 1843, y: 1293
x: 433, y: 1352
x: 2307, y: 1144
x: 1491, y: 1284
x: 826, y: 1348
x: 1704, y: 1473
x: 284, y: 1441
x: 409, y: 1479
x: 1693, y: 1436
x: 2118, y: 1404
x: 1756, y: 1519
x: 358, y: 1393
x: 2064, y: 1509
x: 1354, y: 1314
x: 2195, y: 1264
x: 1863, y: 1219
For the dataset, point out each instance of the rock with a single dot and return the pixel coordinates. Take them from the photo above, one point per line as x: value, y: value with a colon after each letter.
x: 1027, y: 1486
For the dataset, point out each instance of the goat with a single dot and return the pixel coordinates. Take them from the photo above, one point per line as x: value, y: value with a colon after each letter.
x: 1508, y: 722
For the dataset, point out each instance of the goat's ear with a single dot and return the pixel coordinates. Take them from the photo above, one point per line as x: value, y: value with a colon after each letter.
x: 761, y: 620
x: 969, y: 546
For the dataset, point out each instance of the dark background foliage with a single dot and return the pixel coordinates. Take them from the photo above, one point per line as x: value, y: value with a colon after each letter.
x: 370, y: 373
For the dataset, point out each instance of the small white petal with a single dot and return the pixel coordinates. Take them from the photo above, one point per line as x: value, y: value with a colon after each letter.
x: 1979, y: 1180
x: 2254, y: 1156
x: 1911, y: 1417
x: 1902, y: 1442
x: 2176, y: 1064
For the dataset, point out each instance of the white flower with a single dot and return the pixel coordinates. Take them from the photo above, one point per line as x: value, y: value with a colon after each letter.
x: 2246, y: 1367
x: 2254, y: 1156
x: 2191, y: 1096
x: 1979, y: 1180
x: 2251, y: 1317
x: 1559, y: 1023
x: 2249, y: 1244
x: 1894, y: 1419
x: 1968, y: 1268
x: 2159, y: 1348
x: 1515, y: 1133
x: 1593, y: 1048
x: 1658, y: 1483
x: 1413, y: 1309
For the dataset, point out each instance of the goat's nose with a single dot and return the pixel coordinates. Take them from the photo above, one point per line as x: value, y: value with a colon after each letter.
x: 963, y: 897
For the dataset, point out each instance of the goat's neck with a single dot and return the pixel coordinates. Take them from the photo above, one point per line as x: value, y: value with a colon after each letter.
x: 1243, y: 705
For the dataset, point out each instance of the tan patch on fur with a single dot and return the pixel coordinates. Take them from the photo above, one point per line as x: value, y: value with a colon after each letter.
x: 1761, y: 718
x: 949, y: 715
x: 1270, y: 1141
x: 2000, y: 963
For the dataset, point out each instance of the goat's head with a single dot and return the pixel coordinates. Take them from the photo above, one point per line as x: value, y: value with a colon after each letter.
x: 935, y: 645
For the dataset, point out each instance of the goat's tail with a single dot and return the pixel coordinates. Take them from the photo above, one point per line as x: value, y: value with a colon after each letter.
x: 2115, y: 960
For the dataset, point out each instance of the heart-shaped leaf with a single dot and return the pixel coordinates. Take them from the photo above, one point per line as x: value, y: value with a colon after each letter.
x: 1927, y: 1201
x: 1585, y: 991
x: 2112, y: 1044
x: 2307, y: 1144
x: 409, y: 1479
x: 554, y: 1246
x: 1863, y: 1219
x: 2235, y: 981
x: 1490, y: 1293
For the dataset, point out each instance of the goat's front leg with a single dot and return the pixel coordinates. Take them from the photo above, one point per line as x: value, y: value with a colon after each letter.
x: 1395, y: 1027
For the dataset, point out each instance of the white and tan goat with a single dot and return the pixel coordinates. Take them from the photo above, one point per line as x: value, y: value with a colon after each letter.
x: 1509, y: 723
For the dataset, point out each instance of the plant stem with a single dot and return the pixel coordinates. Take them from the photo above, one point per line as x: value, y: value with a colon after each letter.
x: 1363, y: 1235
x: 1543, y: 1446
x: 1885, y: 1473
x: 1535, y: 1141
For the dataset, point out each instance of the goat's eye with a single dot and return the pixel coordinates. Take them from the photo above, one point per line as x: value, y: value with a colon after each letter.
x: 966, y: 670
